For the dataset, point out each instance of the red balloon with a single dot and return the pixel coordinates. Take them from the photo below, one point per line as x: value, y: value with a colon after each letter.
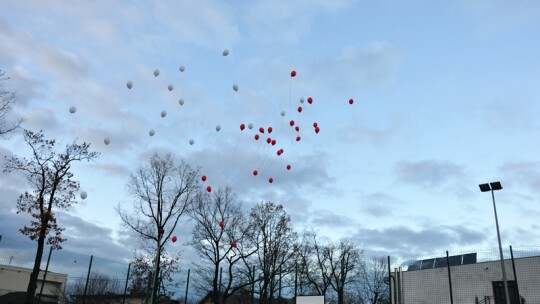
x: 209, y: 189
x: 242, y: 127
x: 299, y: 109
x: 233, y: 244
x: 297, y: 129
x: 351, y: 101
x: 293, y: 73
x: 203, y: 178
x: 288, y: 167
x: 268, y: 140
x: 269, y: 129
x: 291, y: 123
x: 255, y: 172
x: 317, y: 130
x: 174, y: 239
x: 298, y: 138
x: 270, y: 180
x: 273, y: 142
x: 256, y: 136
x: 261, y: 129
x: 310, y: 100
x: 222, y: 224
x: 315, y: 124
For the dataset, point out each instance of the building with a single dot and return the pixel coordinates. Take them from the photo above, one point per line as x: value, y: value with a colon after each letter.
x: 430, y: 281
x: 15, y: 279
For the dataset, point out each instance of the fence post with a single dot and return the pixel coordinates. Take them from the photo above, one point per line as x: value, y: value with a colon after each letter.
x: 253, y: 284
x: 389, y: 280
x: 127, y: 280
x: 219, y: 287
x: 449, y: 277
x: 44, y: 275
x: 279, y: 292
x: 187, y: 286
x: 295, y: 281
x: 87, y: 279
x: 515, y: 275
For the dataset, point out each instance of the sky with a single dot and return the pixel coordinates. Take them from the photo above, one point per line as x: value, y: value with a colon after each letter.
x: 445, y: 93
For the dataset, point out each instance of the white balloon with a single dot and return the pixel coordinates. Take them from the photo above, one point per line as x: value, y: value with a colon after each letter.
x: 163, y: 113
x: 191, y: 141
x: 218, y: 128
x: 182, y: 68
x: 107, y: 141
x: 151, y: 132
x: 84, y: 195
x: 181, y: 101
x: 156, y: 72
x: 250, y: 126
x: 235, y: 87
x: 282, y: 113
x: 226, y: 52
x: 72, y: 109
x: 129, y: 84
x: 301, y: 99
x: 170, y: 87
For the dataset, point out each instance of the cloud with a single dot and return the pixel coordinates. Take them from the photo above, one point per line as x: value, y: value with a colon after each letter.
x: 428, y: 173
x: 527, y: 173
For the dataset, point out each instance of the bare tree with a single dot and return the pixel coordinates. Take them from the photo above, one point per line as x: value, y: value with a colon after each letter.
x: 221, y: 236
x: 344, y: 261
x: 371, y: 285
x: 7, y: 99
x: 49, y: 173
x: 315, y: 267
x: 162, y: 193
x: 276, y: 241
x: 99, y: 286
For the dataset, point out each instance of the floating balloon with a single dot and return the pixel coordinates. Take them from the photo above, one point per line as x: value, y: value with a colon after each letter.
x: 301, y: 99
x: 170, y: 87
x: 261, y: 129
x: 225, y: 52
x: 310, y: 100
x: 208, y: 189
x: 218, y: 128
x: 270, y: 180
x: 163, y: 113
x: 317, y: 130
x: 84, y: 195
x: 235, y: 87
x: 151, y: 132
x: 234, y: 244
x: 268, y: 140
x: 203, y: 178
x: 242, y: 127
x: 107, y: 141
x: 256, y: 136
x: 315, y: 124
x: 191, y: 141
x: 351, y: 101
x: 297, y: 128
x: 181, y: 101
x: 299, y: 109
x: 182, y: 68
x: 282, y: 113
x: 291, y: 123
x: 293, y: 73
x: 129, y: 84
x: 255, y: 172
x: 288, y: 167
x: 298, y: 138
x: 156, y: 72
x: 222, y: 224
x: 269, y: 130
x: 174, y: 239
x: 250, y: 126
x: 72, y: 109
x: 273, y: 142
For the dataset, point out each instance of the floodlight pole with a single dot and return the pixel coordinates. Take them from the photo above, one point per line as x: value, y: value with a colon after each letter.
x: 505, y: 281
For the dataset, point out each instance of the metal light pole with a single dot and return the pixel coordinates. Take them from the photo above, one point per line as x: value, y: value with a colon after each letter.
x: 492, y: 187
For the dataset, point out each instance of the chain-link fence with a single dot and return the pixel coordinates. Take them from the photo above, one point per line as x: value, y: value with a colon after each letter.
x: 467, y: 277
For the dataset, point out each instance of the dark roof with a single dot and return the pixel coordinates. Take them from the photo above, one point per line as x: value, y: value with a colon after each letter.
x: 19, y: 298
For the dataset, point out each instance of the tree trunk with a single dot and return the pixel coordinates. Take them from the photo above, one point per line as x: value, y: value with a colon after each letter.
x: 32, y: 284
x: 340, y: 296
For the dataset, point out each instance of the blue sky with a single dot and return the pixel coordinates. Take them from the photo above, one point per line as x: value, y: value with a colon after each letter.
x: 445, y: 97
